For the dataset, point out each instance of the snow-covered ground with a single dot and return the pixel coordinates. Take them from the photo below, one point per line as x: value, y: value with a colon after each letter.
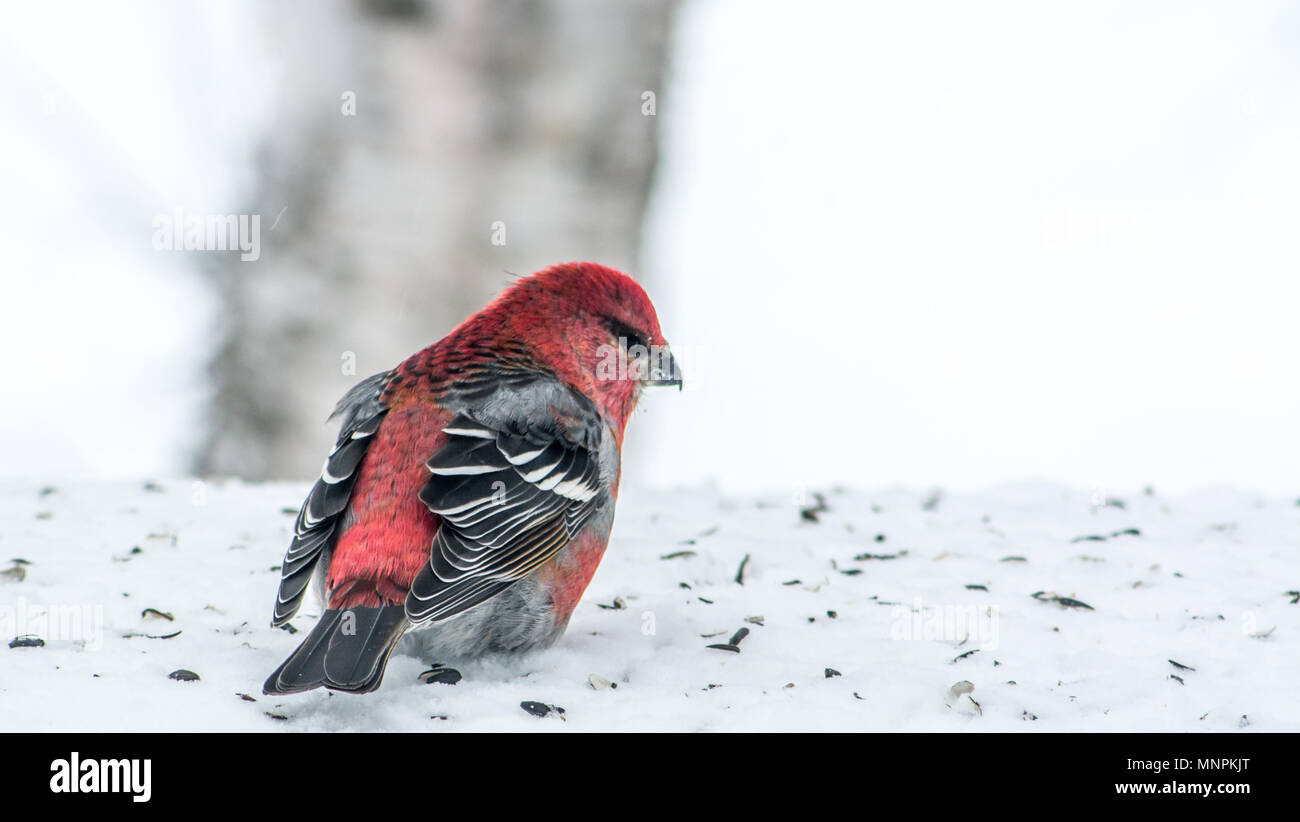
x: 1202, y: 584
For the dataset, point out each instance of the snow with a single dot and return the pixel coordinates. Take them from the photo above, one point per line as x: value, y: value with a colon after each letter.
x: 1204, y: 584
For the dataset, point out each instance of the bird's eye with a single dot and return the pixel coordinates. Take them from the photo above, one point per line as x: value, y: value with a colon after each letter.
x: 629, y: 335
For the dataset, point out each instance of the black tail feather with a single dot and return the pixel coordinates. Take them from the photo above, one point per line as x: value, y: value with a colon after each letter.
x: 346, y: 651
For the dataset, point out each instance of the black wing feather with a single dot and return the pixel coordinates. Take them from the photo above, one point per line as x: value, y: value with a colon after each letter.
x: 512, y: 489
x: 316, y: 528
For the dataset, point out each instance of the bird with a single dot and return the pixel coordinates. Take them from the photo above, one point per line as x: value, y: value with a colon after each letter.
x: 470, y: 494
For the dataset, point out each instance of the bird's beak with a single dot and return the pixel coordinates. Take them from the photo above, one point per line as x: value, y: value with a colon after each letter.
x: 663, y: 369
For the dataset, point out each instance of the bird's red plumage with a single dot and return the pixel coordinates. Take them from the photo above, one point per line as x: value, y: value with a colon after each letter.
x: 554, y: 320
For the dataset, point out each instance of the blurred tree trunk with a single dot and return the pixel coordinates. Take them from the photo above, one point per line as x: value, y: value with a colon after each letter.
x: 408, y: 137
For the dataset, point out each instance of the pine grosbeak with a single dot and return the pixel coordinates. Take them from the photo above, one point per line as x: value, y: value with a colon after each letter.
x: 471, y: 492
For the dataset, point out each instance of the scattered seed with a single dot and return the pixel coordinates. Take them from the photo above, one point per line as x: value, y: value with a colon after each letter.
x: 1295, y: 597
x: 738, y: 636
x: 1180, y: 666
x: 851, y: 572
x: 880, y: 537
x: 792, y: 582
x: 27, y: 641
x: 810, y: 513
x: 963, y: 656
x: 831, y: 673
x: 154, y: 612
x: 1013, y: 559
x: 1064, y: 602
x: 280, y: 717
x: 1029, y: 716
x: 832, y: 614
x: 1090, y: 538
x: 725, y: 646
x: 183, y: 675
x: 705, y: 601
x: 541, y: 709
x: 754, y: 620
x: 1178, y: 678
x: 441, y: 675
x: 740, y: 572
x: 977, y: 588
x: 17, y: 573
x: 865, y: 557
x: 678, y: 555
x: 245, y: 697
x: 959, y: 689
x: 857, y: 695
x: 1127, y: 532
x: 619, y: 605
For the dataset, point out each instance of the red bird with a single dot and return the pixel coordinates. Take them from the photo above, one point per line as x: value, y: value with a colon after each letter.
x: 471, y: 493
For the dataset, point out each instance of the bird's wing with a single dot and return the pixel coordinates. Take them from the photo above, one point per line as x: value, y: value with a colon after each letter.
x: 518, y: 477
x: 360, y: 412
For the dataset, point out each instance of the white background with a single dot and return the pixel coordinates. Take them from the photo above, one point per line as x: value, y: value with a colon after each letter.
x: 946, y: 243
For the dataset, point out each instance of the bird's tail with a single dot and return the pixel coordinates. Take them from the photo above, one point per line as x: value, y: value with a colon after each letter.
x: 346, y: 651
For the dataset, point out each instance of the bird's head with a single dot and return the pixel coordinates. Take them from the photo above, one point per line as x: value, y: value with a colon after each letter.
x: 596, y: 328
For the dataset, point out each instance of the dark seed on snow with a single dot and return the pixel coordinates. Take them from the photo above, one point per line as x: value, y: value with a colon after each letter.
x: 156, y: 613
x: 1127, y: 532
x: 537, y: 709
x: 738, y: 636
x: 678, y: 555
x: 705, y: 601
x: 1090, y: 538
x: 1067, y: 602
x: 740, y: 572
x: 183, y: 675
x: 27, y: 641
x: 441, y: 675
x: 1180, y: 666
x: 851, y: 572
x: 968, y: 653
x: 1177, y: 677
x: 831, y: 672
x: 880, y: 537
x: 832, y: 614
x: 977, y: 588
x: 1013, y: 559
x: 865, y: 557
x: 280, y: 717
x: 726, y: 647
x: 792, y: 582
x: 245, y: 697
